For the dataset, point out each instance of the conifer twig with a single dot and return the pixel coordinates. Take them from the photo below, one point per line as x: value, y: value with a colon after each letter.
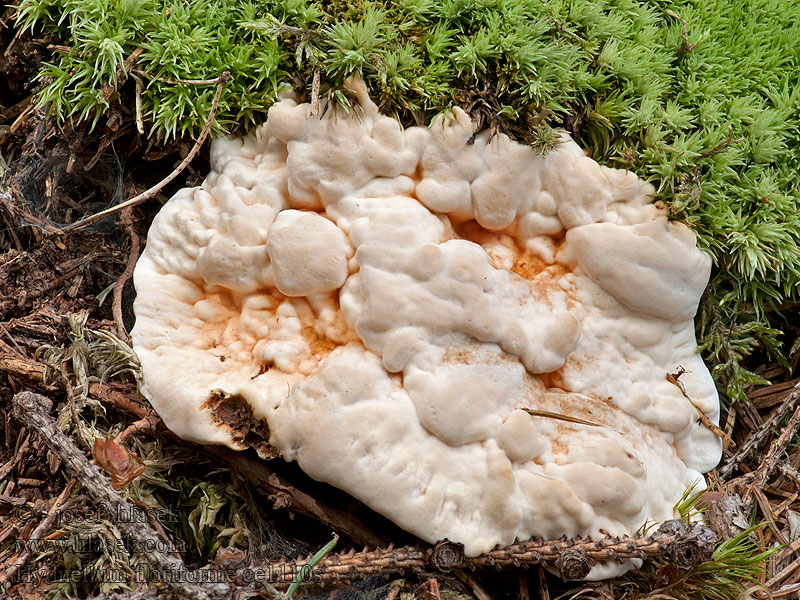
x: 757, y: 437
x: 775, y: 451
x: 685, y: 545
x: 148, y: 194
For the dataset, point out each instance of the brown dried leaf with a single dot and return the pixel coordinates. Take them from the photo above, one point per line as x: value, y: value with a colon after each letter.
x: 123, y: 466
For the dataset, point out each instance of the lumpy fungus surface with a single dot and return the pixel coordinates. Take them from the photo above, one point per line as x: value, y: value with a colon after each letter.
x: 408, y: 313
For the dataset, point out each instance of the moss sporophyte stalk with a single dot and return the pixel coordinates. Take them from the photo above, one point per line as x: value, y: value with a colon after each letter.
x: 699, y: 97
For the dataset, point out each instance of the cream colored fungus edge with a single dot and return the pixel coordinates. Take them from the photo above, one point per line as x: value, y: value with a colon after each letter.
x: 390, y: 300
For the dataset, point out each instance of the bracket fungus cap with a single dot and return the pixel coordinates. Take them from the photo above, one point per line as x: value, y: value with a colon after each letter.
x: 469, y: 336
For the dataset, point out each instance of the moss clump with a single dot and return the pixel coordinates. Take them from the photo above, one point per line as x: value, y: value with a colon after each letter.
x: 700, y: 97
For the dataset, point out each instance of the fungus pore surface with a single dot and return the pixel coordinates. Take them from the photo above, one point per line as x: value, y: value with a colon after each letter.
x: 393, y: 303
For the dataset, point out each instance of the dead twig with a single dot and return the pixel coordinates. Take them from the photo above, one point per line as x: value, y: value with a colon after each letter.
x: 126, y: 219
x: 22, y: 118
x: 685, y: 545
x: 139, y: 112
x: 24, y: 215
x: 784, y: 573
x: 393, y: 593
x: 430, y: 590
x: 14, y: 111
x: 148, y: 424
x: 287, y: 496
x: 33, y: 410
x: 560, y: 26
x: 766, y: 510
x: 722, y: 146
x: 686, y: 46
x: 674, y: 378
x: 775, y: 451
x: 13, y: 501
x: 122, y: 401
x: 37, y: 534
x: 30, y: 371
x: 151, y: 193
x: 757, y: 437
x: 544, y: 589
x: 790, y: 472
x: 771, y: 395
x: 157, y: 526
x: 122, y: 72
x: 524, y: 593
x: 19, y: 453
x: 18, y: 351
x: 473, y: 585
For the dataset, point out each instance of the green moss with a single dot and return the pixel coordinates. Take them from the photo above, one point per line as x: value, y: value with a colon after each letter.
x: 702, y: 98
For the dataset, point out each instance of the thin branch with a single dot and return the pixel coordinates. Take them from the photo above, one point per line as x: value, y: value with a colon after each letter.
x: 686, y: 46
x: 560, y: 26
x: 684, y: 545
x: 151, y: 193
x: 286, y: 495
x: 126, y: 218
x: 674, y: 379
x: 122, y: 73
x: 19, y: 453
x: 790, y: 472
x: 16, y: 110
x: 473, y: 585
x: 757, y: 437
x: 37, y: 534
x: 148, y: 424
x: 33, y: 410
x: 775, y: 451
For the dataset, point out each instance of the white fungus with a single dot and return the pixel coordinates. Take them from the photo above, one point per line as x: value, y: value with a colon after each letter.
x: 391, y: 300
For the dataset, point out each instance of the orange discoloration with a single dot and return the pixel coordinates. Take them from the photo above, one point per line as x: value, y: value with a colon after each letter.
x: 458, y: 356
x: 528, y: 266
x: 320, y: 346
x: 553, y: 380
